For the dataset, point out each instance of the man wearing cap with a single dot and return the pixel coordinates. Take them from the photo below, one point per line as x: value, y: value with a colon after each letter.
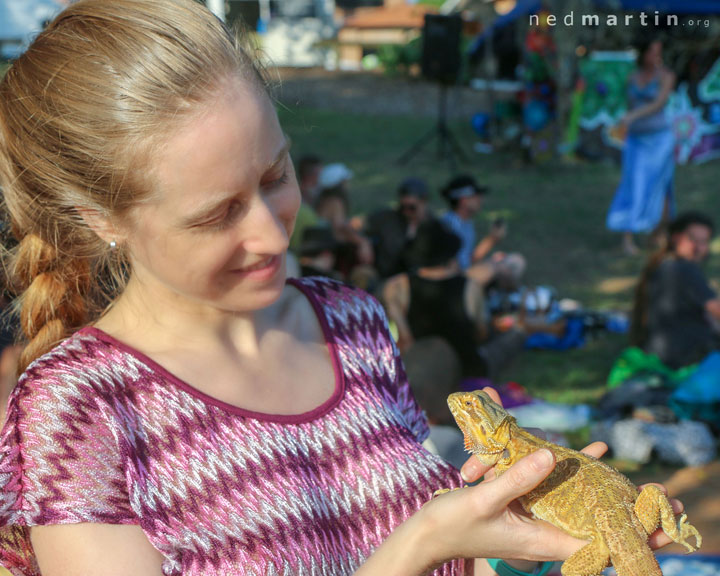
x: 465, y: 198
x: 392, y: 230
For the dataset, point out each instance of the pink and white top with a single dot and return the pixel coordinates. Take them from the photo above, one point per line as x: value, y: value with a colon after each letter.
x: 98, y: 432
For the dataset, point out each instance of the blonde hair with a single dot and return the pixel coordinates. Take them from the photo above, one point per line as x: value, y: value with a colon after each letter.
x: 81, y: 112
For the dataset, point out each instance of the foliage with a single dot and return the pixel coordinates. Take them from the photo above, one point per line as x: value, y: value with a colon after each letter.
x: 435, y: 3
x: 399, y: 58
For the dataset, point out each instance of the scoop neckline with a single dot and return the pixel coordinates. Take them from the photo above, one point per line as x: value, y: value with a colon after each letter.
x: 303, y: 417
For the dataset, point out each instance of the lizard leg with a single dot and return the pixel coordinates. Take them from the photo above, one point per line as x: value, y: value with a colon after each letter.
x: 653, y: 509
x: 590, y: 560
x: 445, y: 491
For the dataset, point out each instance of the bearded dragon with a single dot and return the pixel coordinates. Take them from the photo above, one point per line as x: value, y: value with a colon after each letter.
x: 582, y: 496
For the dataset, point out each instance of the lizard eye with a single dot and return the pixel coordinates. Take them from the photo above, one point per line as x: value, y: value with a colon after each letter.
x: 468, y: 403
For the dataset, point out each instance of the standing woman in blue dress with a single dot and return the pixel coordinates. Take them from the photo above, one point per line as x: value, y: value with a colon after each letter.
x: 644, y: 198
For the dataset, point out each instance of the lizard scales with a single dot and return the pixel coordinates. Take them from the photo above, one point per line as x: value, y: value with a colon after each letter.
x: 582, y: 496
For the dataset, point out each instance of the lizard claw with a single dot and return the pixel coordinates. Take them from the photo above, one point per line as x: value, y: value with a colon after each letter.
x: 443, y: 491
x: 686, y: 531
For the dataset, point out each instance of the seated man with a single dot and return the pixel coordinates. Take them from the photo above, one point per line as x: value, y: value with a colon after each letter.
x: 392, y: 230
x: 465, y: 198
x: 436, y: 299
x: 676, y: 311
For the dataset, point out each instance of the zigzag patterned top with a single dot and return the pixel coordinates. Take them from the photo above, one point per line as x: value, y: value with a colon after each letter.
x: 97, y: 432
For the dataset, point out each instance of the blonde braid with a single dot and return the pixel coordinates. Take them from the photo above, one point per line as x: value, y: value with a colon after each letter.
x: 53, y: 300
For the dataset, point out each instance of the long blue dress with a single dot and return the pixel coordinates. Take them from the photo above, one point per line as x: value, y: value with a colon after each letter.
x: 648, y: 167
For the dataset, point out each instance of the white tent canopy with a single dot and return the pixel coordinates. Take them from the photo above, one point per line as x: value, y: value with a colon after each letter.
x: 21, y: 20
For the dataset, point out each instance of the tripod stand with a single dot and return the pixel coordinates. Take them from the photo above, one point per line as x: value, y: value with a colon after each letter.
x: 448, y: 147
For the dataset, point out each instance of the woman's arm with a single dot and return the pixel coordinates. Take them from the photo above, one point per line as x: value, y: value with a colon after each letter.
x: 666, y: 87
x: 94, y: 550
x: 474, y: 523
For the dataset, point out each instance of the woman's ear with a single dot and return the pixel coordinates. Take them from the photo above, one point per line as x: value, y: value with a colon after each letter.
x: 100, y: 223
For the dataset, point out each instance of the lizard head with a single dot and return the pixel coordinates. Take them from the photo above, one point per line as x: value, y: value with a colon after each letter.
x: 486, y: 425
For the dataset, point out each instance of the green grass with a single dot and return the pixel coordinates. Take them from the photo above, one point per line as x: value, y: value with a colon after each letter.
x: 555, y: 215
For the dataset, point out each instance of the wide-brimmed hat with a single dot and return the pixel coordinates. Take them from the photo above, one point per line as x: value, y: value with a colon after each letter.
x: 463, y: 186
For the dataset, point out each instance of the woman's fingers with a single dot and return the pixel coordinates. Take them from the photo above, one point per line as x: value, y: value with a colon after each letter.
x: 473, y: 470
x: 596, y: 449
x: 523, y: 476
x: 493, y: 394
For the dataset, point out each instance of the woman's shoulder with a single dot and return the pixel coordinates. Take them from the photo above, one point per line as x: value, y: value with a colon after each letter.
x: 329, y: 292
x: 82, y: 362
x: 340, y: 305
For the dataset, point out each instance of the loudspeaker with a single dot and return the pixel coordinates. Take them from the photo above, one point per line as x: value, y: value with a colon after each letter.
x: 441, y: 47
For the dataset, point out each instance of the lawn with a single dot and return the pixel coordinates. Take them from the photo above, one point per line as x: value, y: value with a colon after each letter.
x: 555, y: 213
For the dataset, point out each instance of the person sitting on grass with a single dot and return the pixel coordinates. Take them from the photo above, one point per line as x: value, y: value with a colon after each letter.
x: 465, y: 198
x: 676, y: 313
x: 392, y: 230
x: 438, y: 299
x: 354, y: 253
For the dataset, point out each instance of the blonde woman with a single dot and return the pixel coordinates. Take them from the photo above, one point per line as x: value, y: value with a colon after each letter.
x: 183, y: 409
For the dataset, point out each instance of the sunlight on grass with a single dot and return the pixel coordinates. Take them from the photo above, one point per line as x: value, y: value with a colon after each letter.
x: 715, y: 245
x: 617, y: 285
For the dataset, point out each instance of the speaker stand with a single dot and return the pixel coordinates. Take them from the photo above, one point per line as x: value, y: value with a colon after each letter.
x: 448, y: 147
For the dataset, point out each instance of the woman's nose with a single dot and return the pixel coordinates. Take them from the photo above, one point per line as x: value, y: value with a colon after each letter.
x: 269, y: 223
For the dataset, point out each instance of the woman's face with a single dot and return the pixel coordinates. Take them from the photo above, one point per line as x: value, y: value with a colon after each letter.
x: 653, y: 55
x: 216, y: 231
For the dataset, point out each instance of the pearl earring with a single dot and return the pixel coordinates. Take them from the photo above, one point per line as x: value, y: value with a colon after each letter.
x: 113, y: 244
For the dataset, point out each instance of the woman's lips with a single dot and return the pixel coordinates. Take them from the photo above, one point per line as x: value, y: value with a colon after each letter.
x: 260, y: 270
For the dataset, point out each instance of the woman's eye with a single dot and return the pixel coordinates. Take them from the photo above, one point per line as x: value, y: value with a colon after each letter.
x: 226, y: 219
x: 275, y: 182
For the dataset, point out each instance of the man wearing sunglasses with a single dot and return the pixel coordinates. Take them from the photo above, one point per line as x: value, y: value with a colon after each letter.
x: 393, y: 230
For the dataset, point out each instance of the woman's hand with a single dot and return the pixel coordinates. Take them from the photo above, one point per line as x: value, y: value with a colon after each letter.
x: 473, y: 470
x: 486, y: 521
x: 483, y: 521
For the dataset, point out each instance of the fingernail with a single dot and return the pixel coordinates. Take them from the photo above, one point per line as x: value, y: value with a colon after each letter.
x: 470, y: 471
x: 542, y: 459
